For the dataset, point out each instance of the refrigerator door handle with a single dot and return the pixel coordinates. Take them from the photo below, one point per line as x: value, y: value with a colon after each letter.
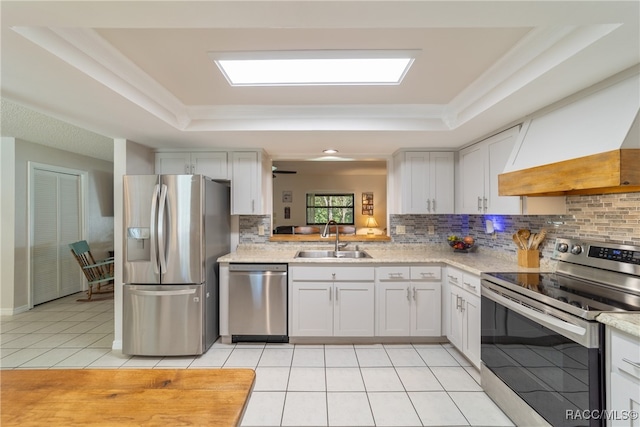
x: 162, y: 293
x: 161, y: 237
x: 154, y: 229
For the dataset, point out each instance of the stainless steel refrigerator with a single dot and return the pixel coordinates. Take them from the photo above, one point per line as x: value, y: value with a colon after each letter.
x: 175, y: 228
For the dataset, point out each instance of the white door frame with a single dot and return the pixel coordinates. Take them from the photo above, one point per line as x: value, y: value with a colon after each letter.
x: 84, y: 179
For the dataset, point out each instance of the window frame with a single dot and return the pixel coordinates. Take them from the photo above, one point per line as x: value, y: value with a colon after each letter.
x: 324, y: 194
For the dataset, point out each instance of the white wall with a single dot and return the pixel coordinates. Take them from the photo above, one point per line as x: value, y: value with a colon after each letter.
x: 7, y: 225
x: 301, y: 184
x: 99, y: 213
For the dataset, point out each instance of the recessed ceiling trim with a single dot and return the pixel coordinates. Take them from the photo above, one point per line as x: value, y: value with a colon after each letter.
x: 314, y: 67
x: 329, y: 111
x: 540, y: 51
x: 85, y: 50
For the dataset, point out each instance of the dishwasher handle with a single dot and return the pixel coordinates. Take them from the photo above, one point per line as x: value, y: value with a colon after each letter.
x: 275, y: 268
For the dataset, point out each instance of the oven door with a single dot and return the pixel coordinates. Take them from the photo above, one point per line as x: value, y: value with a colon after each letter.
x: 551, y: 360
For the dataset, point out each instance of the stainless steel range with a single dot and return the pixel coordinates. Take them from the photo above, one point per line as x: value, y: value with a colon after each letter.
x: 541, y: 345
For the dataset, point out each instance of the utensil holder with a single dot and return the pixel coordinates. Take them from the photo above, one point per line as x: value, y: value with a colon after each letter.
x: 529, y: 258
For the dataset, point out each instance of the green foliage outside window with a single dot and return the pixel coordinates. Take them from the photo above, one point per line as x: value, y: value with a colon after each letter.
x: 324, y: 207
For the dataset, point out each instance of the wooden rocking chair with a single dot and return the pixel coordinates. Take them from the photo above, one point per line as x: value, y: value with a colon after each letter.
x: 98, y: 274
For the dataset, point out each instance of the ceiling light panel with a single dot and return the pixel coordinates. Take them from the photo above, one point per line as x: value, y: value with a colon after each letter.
x: 307, y: 68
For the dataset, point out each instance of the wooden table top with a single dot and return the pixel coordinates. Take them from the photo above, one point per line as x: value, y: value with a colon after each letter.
x: 163, y: 397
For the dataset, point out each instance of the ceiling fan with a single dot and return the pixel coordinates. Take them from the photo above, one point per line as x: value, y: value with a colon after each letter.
x: 274, y: 170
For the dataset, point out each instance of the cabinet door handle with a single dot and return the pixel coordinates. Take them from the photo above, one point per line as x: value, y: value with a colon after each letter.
x: 457, y: 302
x: 414, y: 293
x: 485, y: 204
x: 479, y: 204
x: 253, y: 205
x: 330, y: 292
x: 428, y: 205
x: 408, y: 294
x: 634, y: 364
x: 187, y: 168
x: 433, y: 205
x: 453, y: 279
x: 461, y: 304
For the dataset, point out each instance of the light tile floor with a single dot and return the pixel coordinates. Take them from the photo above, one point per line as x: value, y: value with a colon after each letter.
x: 296, y: 385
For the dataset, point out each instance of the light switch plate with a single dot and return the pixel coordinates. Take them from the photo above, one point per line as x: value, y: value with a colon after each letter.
x: 431, y: 230
x: 261, y: 230
x: 400, y: 229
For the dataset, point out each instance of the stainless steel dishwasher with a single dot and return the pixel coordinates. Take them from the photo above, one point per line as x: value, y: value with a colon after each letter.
x: 258, y: 302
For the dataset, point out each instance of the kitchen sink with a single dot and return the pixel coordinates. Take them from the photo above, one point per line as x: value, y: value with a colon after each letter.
x: 332, y: 254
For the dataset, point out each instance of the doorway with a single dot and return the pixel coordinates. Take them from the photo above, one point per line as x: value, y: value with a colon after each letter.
x: 56, y: 218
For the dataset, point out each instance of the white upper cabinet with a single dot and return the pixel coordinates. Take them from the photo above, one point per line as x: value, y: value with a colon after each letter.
x: 250, y: 183
x: 211, y: 164
x: 479, y: 167
x: 249, y: 172
x: 424, y: 182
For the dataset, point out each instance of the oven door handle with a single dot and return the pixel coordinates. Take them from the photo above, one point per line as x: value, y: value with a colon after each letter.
x: 544, y: 319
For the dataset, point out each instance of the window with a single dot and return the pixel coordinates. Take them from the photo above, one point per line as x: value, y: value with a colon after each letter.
x: 324, y: 207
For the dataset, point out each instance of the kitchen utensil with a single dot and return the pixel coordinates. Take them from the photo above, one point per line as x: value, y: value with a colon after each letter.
x: 518, y: 241
x: 524, y: 233
x: 538, y: 239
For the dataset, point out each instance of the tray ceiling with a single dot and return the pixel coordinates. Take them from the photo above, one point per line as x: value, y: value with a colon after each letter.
x: 140, y: 70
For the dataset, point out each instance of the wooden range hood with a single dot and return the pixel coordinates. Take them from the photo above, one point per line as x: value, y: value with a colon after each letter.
x: 616, y: 171
x: 588, y: 144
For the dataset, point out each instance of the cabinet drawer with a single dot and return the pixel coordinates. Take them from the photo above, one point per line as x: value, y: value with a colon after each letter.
x: 386, y: 274
x: 471, y: 283
x: 332, y: 273
x: 625, y: 354
x: 431, y: 273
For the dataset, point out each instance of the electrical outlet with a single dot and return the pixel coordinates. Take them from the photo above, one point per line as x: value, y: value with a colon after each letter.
x: 261, y: 230
x: 494, y: 236
x: 400, y: 229
x: 431, y: 230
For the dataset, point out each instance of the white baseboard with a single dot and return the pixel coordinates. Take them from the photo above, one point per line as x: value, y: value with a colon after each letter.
x: 13, y: 311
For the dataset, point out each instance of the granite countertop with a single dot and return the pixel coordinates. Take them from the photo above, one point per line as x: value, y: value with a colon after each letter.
x: 473, y: 262
x: 626, y: 322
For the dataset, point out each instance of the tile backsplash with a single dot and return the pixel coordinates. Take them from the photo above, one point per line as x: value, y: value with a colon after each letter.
x: 608, y: 218
x: 249, y: 226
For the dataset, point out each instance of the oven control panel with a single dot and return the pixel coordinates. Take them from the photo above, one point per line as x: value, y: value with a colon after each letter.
x: 609, y: 256
x: 621, y: 255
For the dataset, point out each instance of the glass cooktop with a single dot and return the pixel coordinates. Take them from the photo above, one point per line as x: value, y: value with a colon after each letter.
x: 562, y: 291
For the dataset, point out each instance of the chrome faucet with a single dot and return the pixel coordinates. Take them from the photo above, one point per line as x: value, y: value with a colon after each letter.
x: 325, y: 233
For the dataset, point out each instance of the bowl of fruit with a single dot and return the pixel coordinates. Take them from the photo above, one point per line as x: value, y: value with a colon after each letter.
x: 460, y: 244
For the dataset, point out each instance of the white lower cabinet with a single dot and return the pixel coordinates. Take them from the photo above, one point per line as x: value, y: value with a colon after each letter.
x: 623, y: 378
x: 331, y: 301
x: 464, y: 313
x: 408, y: 301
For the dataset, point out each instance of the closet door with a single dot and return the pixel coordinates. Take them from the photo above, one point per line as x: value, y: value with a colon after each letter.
x: 56, y: 222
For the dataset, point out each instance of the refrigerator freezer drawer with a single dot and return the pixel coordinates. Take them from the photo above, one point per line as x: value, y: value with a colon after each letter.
x: 163, y: 320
